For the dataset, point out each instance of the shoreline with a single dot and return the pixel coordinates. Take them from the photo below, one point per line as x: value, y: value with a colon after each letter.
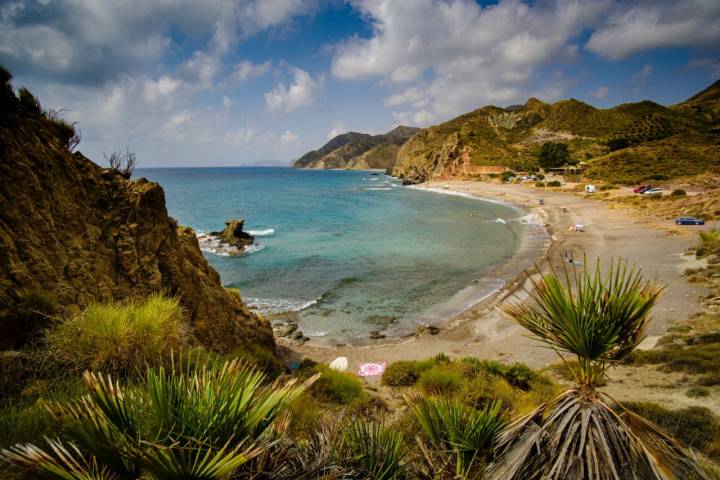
x: 482, y: 331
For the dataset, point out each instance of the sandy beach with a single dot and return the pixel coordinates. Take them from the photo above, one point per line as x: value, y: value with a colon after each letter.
x: 655, y: 246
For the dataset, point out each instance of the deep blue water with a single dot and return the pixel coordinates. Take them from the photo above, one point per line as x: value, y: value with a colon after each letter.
x: 356, y: 250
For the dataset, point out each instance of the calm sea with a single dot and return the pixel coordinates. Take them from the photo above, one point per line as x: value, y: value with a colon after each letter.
x: 347, y: 252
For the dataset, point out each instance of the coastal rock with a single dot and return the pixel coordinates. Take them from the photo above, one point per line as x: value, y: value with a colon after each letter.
x: 78, y: 233
x: 234, y: 235
x: 376, y: 335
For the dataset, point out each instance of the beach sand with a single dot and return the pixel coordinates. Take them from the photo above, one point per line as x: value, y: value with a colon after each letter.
x: 482, y: 331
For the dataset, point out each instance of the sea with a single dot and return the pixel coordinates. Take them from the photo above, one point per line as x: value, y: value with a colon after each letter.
x: 346, y: 253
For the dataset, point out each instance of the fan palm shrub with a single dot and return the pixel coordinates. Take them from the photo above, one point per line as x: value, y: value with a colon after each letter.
x: 375, y: 450
x: 599, y: 320
x: 458, y: 438
x: 193, y: 422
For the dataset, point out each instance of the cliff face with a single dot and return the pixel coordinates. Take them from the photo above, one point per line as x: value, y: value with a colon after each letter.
x: 354, y: 150
x: 644, y: 137
x: 82, y: 233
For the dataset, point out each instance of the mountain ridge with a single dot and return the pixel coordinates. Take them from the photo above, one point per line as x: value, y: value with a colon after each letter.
x: 354, y: 150
x: 619, y: 144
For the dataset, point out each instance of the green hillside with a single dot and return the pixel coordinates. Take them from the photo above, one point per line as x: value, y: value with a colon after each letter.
x: 623, y: 144
x: 358, y: 150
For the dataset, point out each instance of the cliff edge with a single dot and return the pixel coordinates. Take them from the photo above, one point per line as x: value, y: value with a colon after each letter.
x: 81, y: 233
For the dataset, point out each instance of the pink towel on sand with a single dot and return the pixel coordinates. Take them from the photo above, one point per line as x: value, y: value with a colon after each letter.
x: 371, y: 369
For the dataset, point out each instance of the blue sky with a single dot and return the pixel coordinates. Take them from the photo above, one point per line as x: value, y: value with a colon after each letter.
x: 221, y: 82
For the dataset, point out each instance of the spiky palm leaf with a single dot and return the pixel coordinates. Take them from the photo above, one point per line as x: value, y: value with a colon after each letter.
x: 201, y: 422
x: 375, y: 450
x: 457, y: 432
x: 578, y: 435
x: 600, y: 319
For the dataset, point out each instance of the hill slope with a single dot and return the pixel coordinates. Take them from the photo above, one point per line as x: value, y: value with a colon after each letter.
x: 358, y: 150
x: 81, y: 233
x: 647, y: 139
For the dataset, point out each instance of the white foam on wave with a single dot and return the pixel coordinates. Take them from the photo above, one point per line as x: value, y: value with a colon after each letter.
x: 254, y: 248
x: 265, y: 232
x: 211, y: 244
x: 455, y: 193
x: 279, y: 305
x: 376, y: 189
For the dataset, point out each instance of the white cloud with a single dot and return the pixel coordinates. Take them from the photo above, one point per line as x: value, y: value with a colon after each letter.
x: 447, y: 57
x: 289, y: 137
x: 91, y: 42
x: 338, y: 128
x: 642, y: 75
x: 663, y: 23
x: 247, y: 70
x: 712, y: 65
x: 301, y: 93
x: 600, y: 92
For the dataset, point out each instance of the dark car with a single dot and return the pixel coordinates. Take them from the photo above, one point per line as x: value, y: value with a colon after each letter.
x: 689, y: 221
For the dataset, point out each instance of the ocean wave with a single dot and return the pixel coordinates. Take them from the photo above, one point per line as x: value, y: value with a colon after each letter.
x: 279, y: 305
x: 266, y: 232
x: 254, y: 248
x: 211, y: 244
x: 454, y: 193
x: 376, y: 189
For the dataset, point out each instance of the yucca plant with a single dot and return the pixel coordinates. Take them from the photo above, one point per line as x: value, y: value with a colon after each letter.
x: 599, y: 320
x: 200, y: 422
x: 459, y: 437
x: 375, y: 450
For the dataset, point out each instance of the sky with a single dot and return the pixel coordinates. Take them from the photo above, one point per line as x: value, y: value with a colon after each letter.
x: 249, y: 82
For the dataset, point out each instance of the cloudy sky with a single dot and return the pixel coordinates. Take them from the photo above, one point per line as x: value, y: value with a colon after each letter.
x: 223, y: 82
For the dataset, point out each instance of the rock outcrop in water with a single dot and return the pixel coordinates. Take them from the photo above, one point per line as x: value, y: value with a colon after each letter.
x: 74, y: 233
x: 234, y: 235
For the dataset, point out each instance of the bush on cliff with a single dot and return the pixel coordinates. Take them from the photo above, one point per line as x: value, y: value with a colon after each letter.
x: 340, y: 387
x: 120, y: 338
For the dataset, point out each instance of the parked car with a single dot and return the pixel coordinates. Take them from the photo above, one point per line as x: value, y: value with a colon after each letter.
x: 689, y: 221
x: 641, y: 188
x: 652, y: 191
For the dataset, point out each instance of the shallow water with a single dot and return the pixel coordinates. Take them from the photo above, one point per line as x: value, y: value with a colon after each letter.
x: 349, y: 252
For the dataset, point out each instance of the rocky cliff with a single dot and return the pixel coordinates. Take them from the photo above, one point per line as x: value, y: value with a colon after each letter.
x: 79, y: 233
x: 623, y: 144
x: 357, y: 151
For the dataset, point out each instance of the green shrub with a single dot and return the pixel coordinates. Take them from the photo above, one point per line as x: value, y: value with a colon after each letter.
x: 519, y: 375
x: 697, y: 392
x: 404, y: 373
x: 540, y: 176
x: 540, y: 184
x: 658, y: 177
x: 554, y: 183
x: 698, y: 359
x: 376, y: 451
x: 678, y: 192
x: 29, y: 101
x: 179, y: 423
x: 507, y: 175
x: 440, y: 379
x: 695, y: 427
x: 339, y: 387
x: 120, y: 338
x: 31, y: 312
x: 263, y: 358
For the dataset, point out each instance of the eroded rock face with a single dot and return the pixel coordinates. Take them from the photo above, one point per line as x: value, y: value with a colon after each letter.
x: 84, y: 234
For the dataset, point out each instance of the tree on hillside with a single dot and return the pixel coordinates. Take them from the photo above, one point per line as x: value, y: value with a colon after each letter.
x: 553, y: 155
x: 584, y: 434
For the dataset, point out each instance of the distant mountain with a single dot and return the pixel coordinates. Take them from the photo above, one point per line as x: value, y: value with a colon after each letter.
x: 357, y: 151
x: 624, y: 144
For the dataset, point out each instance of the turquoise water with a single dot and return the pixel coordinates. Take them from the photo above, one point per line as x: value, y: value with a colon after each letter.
x: 347, y: 252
